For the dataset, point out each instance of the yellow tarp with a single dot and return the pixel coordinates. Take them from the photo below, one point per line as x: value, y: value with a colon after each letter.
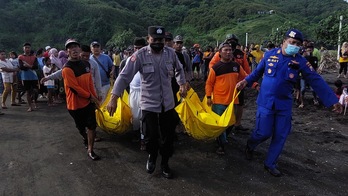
x: 200, y: 121
x: 121, y: 121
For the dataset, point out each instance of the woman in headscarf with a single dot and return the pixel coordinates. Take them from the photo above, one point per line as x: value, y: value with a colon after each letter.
x: 63, y: 57
x: 53, y: 54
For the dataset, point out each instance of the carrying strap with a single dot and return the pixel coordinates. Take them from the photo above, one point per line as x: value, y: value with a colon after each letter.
x: 101, y: 65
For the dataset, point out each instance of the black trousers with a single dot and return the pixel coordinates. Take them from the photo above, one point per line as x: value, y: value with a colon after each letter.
x: 159, y: 131
x: 343, y: 68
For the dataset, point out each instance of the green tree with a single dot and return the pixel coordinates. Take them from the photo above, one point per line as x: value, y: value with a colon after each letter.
x: 122, y: 40
x: 328, y: 29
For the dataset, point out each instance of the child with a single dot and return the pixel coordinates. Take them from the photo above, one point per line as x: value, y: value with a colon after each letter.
x: 342, y: 94
x: 48, y: 69
x: 339, y: 88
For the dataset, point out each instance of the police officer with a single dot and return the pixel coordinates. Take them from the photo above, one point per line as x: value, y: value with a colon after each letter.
x: 280, y: 69
x: 157, y: 65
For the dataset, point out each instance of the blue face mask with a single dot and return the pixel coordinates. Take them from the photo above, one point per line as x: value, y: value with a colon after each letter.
x: 292, y: 49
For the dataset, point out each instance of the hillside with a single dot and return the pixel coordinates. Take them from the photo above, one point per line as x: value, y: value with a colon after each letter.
x: 47, y: 22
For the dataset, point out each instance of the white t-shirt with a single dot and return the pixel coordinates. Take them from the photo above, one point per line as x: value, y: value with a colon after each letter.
x: 46, y: 71
x: 6, y: 76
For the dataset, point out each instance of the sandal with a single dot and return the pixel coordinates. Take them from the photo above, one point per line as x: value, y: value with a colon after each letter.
x: 30, y: 110
x: 97, y: 139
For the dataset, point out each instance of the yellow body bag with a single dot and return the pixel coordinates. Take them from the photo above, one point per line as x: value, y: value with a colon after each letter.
x: 200, y: 121
x: 120, y: 122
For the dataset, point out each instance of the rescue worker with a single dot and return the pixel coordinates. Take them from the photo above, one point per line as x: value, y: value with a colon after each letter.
x: 157, y: 65
x: 241, y: 58
x: 280, y: 69
x: 81, y: 98
x: 221, y: 82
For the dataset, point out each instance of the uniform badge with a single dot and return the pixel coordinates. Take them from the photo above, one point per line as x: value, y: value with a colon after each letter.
x: 292, y: 34
x: 159, y: 31
x: 235, y: 69
x: 133, y: 58
x: 269, y: 71
x: 291, y: 75
x: 271, y: 64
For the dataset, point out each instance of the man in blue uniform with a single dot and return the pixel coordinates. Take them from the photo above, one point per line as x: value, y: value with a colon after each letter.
x: 280, y: 69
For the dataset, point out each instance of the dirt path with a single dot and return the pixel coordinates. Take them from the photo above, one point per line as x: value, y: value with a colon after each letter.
x: 42, y: 154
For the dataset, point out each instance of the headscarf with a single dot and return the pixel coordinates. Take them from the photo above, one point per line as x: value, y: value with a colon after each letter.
x: 54, y: 59
x: 63, y: 57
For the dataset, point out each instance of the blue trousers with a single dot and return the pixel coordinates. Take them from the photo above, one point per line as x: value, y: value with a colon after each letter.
x: 271, y: 123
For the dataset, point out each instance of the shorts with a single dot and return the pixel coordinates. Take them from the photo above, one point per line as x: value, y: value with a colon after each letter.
x: 30, y: 84
x: 84, y: 117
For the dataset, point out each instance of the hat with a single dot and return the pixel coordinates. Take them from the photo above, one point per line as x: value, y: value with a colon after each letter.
x: 224, y: 44
x: 178, y: 38
x: 139, y: 41
x: 295, y: 34
x: 231, y: 36
x: 47, y: 47
x: 71, y: 41
x: 196, y: 46
x: 168, y: 35
x: 26, y: 44
x: 156, y: 31
x: 95, y: 43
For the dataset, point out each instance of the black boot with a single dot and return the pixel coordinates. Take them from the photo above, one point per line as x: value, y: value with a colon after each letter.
x: 166, y: 171
x: 151, y: 163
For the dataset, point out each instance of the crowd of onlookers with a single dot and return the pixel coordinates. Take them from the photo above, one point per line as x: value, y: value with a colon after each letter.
x: 50, y: 60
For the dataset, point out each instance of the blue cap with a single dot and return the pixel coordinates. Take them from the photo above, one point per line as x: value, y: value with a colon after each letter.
x: 295, y: 34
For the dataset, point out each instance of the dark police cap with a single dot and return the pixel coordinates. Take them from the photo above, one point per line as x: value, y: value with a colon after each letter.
x: 69, y: 42
x: 156, y: 31
x: 295, y: 34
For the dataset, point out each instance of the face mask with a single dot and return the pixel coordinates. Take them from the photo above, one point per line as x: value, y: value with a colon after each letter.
x: 157, y: 47
x: 291, y: 49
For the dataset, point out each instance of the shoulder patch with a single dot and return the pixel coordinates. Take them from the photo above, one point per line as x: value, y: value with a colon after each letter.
x: 133, y: 58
